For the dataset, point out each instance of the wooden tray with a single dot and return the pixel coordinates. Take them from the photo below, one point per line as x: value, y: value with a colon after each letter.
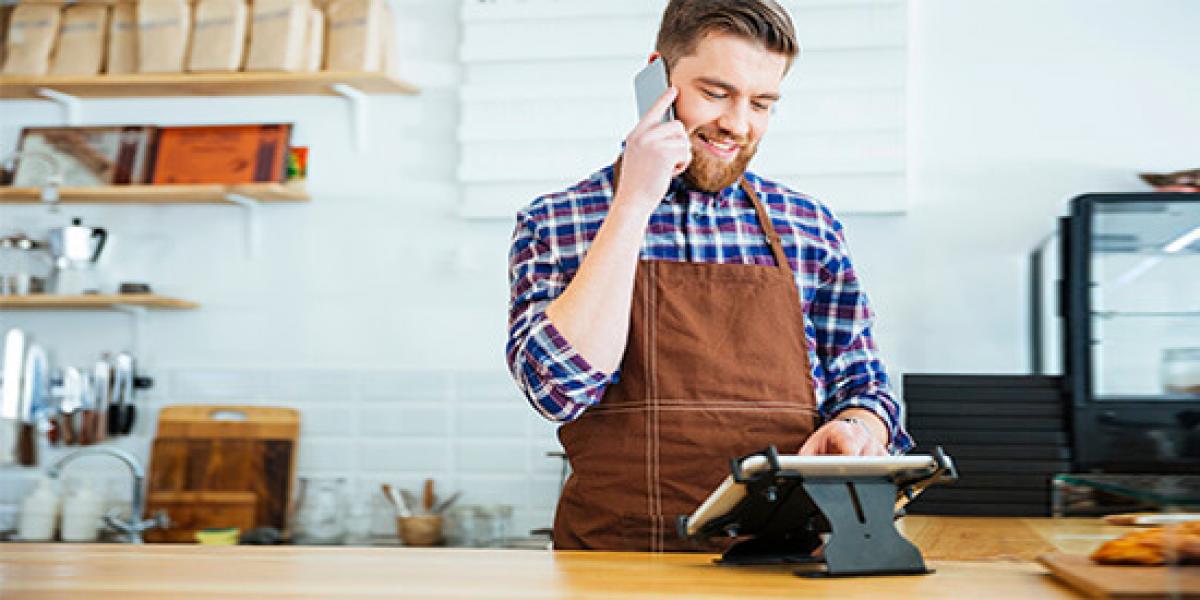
x: 1121, y: 581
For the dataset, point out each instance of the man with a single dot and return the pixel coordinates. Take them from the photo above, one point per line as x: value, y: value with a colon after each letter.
x: 675, y: 311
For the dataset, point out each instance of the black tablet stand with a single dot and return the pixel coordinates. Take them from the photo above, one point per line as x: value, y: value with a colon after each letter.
x: 785, y: 513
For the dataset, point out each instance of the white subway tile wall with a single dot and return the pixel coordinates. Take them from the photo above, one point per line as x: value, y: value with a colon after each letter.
x: 469, y: 431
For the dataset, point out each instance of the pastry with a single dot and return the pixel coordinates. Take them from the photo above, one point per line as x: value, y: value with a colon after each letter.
x: 1156, y: 546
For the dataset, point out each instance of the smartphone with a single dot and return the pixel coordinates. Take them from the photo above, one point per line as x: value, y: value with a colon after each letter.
x: 649, y: 85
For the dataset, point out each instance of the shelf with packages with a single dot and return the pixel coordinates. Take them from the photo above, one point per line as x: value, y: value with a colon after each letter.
x: 161, y: 194
x: 321, y: 83
x: 95, y: 302
x: 69, y: 91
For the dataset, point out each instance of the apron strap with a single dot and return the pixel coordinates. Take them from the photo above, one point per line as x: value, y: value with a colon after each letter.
x: 764, y: 220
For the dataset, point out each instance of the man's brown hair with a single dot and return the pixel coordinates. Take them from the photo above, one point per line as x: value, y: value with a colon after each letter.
x: 686, y: 22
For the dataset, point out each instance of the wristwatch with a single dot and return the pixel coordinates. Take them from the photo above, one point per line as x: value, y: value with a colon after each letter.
x: 860, y: 422
x: 866, y: 428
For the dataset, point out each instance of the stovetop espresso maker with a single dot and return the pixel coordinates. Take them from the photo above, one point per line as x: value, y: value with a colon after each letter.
x: 75, y: 250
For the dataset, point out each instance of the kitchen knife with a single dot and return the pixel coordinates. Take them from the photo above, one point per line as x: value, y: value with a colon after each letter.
x: 102, y: 375
x: 14, y: 363
x: 10, y: 394
x: 69, y: 407
x: 87, y: 410
x: 32, y: 396
x: 123, y: 393
x: 115, y: 402
x: 54, y: 414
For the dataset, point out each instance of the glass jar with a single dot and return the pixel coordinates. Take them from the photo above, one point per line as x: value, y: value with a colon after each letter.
x: 460, y: 526
x: 24, y: 266
x: 483, y: 525
x: 1181, y: 371
x: 502, y: 528
x: 320, y: 511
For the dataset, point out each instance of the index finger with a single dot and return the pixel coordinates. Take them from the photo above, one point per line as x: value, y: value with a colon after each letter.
x: 658, y: 110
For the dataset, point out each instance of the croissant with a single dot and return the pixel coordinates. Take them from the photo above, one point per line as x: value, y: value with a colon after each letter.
x: 1159, y: 546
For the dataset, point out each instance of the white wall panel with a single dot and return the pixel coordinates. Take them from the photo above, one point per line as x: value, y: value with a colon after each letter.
x: 547, y: 98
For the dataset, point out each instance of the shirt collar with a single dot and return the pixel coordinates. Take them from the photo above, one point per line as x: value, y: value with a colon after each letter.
x: 680, y: 192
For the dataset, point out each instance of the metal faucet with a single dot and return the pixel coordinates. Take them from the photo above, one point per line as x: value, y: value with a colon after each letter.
x: 133, y: 528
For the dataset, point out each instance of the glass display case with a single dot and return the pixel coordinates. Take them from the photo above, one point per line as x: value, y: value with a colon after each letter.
x: 1128, y: 294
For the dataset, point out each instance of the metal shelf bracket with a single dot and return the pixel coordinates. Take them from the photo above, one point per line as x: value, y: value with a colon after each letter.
x: 250, y: 206
x: 359, y: 112
x: 71, y: 105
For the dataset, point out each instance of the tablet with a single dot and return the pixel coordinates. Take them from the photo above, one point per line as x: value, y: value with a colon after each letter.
x: 727, y: 495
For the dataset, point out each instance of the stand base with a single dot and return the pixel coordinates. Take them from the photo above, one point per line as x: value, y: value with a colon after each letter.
x: 772, y: 551
x: 828, y: 575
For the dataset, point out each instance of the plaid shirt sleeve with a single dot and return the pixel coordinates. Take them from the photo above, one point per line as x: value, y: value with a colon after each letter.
x: 557, y: 381
x: 854, y: 374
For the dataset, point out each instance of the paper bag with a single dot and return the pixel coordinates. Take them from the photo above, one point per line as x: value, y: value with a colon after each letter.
x: 32, y: 29
x: 163, y: 30
x: 355, y: 35
x: 315, y: 50
x: 278, y: 34
x: 81, y: 40
x: 218, y: 36
x: 122, y: 39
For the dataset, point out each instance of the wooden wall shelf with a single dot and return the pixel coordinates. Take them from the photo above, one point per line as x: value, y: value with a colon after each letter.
x: 160, y: 194
x: 94, y: 302
x: 203, y: 84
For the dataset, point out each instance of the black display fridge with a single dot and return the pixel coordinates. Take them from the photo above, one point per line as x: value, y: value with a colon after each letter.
x: 1115, y: 309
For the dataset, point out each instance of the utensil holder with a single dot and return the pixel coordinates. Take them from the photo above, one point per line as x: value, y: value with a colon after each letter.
x: 420, y: 530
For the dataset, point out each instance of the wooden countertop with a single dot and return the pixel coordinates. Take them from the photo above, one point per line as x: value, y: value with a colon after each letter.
x: 974, y: 557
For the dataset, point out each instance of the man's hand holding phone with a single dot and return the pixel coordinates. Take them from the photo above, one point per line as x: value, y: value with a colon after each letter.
x: 655, y: 152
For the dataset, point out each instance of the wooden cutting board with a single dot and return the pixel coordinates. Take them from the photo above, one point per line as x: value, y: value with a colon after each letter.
x: 1121, y: 581
x: 200, y: 449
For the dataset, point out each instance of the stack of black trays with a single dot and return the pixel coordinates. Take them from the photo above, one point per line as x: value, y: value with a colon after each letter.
x: 1007, y: 434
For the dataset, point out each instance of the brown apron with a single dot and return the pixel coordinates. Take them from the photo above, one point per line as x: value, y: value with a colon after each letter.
x: 715, y: 367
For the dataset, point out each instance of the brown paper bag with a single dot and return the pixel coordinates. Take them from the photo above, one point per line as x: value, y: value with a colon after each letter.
x: 32, y: 29
x: 278, y: 34
x: 81, y: 40
x: 218, y: 36
x: 122, y: 39
x: 5, y: 17
x: 387, y: 50
x: 315, y: 50
x: 355, y: 35
x: 163, y: 30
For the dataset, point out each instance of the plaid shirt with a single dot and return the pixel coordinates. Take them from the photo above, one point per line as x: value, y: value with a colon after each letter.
x: 553, y: 235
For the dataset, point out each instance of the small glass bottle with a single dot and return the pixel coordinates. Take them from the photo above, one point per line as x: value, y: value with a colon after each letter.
x: 39, y: 513
x: 81, y: 513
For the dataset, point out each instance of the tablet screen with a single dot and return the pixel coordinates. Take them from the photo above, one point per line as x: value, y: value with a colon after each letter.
x: 730, y: 493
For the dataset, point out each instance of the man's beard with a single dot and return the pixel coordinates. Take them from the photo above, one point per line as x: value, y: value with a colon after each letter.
x: 708, y: 173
